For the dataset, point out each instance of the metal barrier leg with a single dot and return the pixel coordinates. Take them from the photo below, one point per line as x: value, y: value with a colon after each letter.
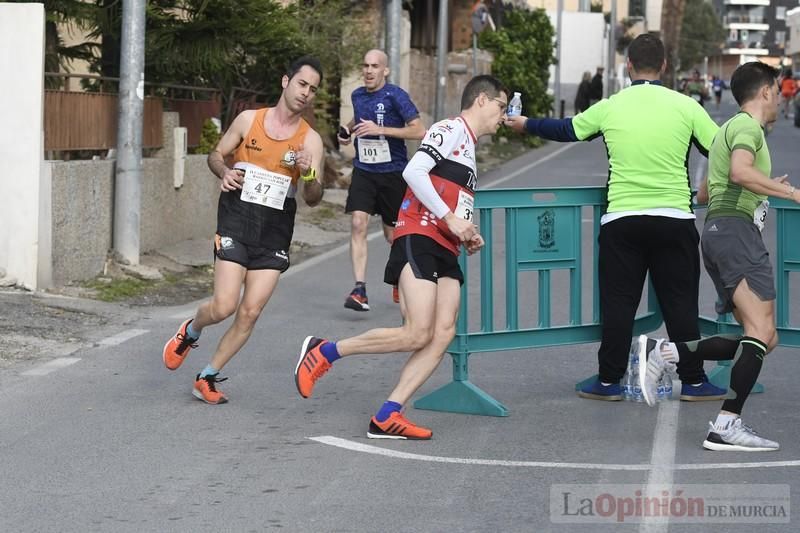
x: 461, y: 395
x: 720, y: 376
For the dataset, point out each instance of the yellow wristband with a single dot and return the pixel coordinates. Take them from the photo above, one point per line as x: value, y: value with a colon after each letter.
x: 310, y: 175
x: 791, y: 191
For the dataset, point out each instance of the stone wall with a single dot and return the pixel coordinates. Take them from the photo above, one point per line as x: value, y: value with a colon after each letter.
x: 83, y: 203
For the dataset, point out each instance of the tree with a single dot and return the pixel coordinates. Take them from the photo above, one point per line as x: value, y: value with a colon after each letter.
x: 671, y: 19
x: 523, y: 52
x: 62, y: 16
x: 339, y: 33
x: 224, y: 44
x: 701, y: 35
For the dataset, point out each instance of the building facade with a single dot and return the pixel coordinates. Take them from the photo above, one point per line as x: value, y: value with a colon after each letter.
x: 756, y: 30
x: 793, y: 44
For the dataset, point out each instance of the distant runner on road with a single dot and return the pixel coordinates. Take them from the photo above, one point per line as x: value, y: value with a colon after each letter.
x: 383, y: 118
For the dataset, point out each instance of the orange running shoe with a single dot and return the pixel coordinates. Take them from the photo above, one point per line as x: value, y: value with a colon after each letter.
x: 311, y: 366
x: 397, y: 427
x: 205, y: 389
x: 395, y: 294
x: 178, y: 347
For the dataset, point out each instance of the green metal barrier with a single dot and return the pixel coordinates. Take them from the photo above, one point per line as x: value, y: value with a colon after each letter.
x: 543, y: 233
x: 785, y: 215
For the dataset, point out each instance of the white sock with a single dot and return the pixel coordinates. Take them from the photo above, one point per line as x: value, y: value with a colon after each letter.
x: 723, y: 421
x: 669, y: 352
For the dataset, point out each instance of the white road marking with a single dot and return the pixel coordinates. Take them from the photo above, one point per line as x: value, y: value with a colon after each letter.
x: 375, y: 450
x: 662, y: 460
x: 121, y: 337
x: 51, y: 366
x: 527, y: 167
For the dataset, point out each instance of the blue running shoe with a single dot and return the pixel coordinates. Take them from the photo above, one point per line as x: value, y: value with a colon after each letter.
x: 597, y: 391
x: 704, y: 392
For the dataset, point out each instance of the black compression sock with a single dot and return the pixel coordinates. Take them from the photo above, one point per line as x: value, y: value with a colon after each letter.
x: 744, y: 373
x: 716, y: 348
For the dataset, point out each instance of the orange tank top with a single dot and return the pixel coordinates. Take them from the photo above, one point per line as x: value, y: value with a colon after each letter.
x: 259, y: 149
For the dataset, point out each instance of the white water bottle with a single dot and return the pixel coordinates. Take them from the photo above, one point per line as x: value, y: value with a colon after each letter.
x: 515, y: 106
x: 627, y: 379
x: 667, y: 380
x: 636, y: 389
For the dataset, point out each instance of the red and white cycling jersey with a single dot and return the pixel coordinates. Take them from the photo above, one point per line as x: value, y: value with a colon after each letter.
x: 451, y: 144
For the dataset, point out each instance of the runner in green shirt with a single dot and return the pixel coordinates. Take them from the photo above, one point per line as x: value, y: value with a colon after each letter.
x: 649, y: 226
x: 734, y: 253
x: 696, y: 88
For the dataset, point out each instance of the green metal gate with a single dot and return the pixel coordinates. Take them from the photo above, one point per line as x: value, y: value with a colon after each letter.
x: 543, y: 233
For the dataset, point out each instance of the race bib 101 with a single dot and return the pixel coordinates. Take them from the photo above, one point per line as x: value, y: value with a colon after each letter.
x: 373, y: 151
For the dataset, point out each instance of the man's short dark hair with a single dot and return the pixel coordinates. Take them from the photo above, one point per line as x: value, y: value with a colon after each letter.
x: 749, y: 78
x: 301, y: 62
x: 481, y: 84
x: 646, y: 53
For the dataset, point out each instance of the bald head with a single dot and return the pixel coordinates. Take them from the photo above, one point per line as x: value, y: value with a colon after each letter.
x: 375, y: 69
x: 376, y: 56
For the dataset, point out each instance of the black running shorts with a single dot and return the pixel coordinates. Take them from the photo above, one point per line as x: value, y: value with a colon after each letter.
x: 250, y: 257
x: 733, y: 250
x: 376, y: 194
x: 428, y: 259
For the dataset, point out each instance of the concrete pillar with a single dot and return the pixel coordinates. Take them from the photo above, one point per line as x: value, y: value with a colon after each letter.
x: 22, y: 142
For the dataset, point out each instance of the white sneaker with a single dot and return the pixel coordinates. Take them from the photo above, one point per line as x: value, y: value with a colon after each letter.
x: 652, y: 366
x: 737, y: 437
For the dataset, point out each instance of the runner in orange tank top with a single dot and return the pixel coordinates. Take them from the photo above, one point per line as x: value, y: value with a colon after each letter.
x: 275, y: 154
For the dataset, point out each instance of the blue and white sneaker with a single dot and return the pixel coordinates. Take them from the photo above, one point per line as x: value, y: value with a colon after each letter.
x: 597, y: 391
x: 703, y: 392
x: 737, y: 437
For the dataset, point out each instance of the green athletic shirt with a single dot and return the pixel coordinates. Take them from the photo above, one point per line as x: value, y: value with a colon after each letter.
x: 725, y: 197
x: 648, y: 131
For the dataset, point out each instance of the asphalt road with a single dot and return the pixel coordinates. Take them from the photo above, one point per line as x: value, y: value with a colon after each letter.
x: 107, y: 440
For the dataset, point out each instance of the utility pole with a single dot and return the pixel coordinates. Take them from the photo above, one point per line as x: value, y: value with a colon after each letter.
x: 611, y: 72
x: 394, y: 25
x: 441, y: 61
x: 128, y: 180
x: 557, y: 73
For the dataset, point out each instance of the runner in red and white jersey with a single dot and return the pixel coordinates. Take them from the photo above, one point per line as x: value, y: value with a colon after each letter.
x: 435, y: 220
x: 451, y: 145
